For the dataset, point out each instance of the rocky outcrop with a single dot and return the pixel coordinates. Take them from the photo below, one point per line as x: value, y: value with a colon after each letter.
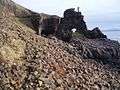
x: 45, y: 24
x: 71, y: 20
x: 74, y: 19
x: 49, y: 25
x: 94, y: 34
x: 102, y: 49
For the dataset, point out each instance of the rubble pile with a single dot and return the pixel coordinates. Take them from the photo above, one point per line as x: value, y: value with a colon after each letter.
x: 32, y: 62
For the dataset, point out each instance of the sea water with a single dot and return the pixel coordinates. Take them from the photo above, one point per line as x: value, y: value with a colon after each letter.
x: 114, y: 35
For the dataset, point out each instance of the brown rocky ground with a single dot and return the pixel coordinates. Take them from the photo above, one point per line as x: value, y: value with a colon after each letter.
x: 32, y: 62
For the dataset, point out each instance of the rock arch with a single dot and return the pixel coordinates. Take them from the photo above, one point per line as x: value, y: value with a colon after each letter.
x: 71, y: 20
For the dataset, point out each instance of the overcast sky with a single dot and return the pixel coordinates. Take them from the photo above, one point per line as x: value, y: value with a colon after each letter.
x: 95, y: 11
x: 57, y: 6
x: 101, y: 13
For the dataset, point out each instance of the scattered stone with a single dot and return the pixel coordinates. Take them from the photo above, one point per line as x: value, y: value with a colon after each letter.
x: 38, y: 63
x: 36, y: 73
x: 40, y: 83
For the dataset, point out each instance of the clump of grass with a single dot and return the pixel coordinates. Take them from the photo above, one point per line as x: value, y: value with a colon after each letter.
x: 77, y: 34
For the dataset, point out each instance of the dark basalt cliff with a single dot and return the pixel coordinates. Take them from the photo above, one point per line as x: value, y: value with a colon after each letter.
x: 40, y: 52
x: 93, y: 44
x: 61, y: 27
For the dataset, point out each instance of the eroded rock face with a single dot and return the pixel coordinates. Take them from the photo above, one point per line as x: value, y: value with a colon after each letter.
x: 71, y: 20
x: 46, y: 25
x: 60, y: 27
x: 75, y: 20
x: 49, y: 25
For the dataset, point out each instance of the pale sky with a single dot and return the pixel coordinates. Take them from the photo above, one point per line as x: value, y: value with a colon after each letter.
x: 58, y: 6
x: 94, y: 10
x: 98, y: 13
